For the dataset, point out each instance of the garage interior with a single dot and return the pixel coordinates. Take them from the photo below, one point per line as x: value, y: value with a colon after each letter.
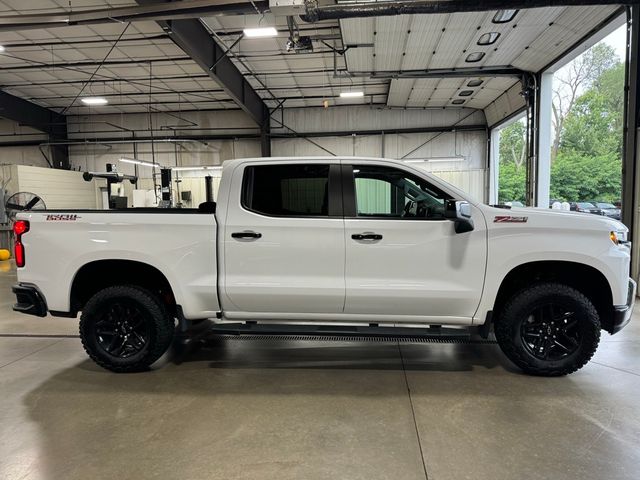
x: 93, y: 87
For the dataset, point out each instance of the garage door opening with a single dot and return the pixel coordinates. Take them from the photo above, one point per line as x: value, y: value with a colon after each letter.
x: 587, y: 133
x: 511, y: 150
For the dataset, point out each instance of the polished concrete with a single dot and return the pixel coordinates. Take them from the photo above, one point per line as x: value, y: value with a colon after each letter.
x: 257, y: 409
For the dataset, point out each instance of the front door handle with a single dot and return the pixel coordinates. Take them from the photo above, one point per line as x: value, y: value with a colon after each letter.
x: 366, y: 236
x: 247, y: 234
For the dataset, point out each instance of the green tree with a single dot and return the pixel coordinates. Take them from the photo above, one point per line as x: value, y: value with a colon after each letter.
x: 576, y: 177
x: 512, y: 183
x: 594, y: 126
x: 584, y: 72
x: 513, y: 148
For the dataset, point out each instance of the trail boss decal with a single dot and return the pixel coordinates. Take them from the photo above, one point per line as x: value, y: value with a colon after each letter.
x: 509, y: 219
x: 62, y: 218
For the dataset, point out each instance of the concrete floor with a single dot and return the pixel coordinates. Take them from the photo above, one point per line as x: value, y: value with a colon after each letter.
x: 251, y: 409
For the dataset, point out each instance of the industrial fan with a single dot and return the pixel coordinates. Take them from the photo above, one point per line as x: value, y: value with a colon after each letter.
x: 21, y: 202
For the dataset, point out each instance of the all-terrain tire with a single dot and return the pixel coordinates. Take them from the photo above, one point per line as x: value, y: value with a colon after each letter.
x: 514, y: 326
x: 119, y: 308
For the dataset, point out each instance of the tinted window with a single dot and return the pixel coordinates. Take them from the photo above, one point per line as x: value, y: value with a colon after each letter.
x: 392, y: 193
x: 287, y: 190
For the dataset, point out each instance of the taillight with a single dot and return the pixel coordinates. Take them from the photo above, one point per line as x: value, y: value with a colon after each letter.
x: 20, y: 227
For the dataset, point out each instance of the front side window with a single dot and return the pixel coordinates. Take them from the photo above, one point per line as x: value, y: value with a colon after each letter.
x: 287, y: 190
x: 385, y: 192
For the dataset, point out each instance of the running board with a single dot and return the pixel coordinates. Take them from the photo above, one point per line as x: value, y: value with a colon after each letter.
x: 340, y: 332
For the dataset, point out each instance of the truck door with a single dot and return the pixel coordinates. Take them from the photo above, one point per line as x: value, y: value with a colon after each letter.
x: 402, y: 256
x: 283, y: 239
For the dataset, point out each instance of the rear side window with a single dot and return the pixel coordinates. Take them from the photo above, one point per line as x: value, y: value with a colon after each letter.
x: 287, y: 190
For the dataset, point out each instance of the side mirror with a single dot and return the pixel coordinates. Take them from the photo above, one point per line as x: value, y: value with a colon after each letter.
x: 460, y: 212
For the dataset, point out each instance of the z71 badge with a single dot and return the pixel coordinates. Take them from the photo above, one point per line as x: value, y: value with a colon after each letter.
x: 62, y: 218
x: 509, y: 219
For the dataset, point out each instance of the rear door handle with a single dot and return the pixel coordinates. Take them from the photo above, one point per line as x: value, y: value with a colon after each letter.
x: 247, y: 234
x: 366, y: 236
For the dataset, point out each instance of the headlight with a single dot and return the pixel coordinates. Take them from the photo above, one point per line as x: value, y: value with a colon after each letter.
x: 618, y: 237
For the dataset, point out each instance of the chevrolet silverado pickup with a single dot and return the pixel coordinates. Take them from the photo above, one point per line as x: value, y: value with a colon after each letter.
x: 369, y: 243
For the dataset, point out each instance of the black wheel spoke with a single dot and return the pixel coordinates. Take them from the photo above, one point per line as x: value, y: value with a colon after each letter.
x: 550, y: 332
x: 123, y: 330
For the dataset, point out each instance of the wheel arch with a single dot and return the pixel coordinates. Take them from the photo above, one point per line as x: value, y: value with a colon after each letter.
x: 588, y: 280
x: 99, y: 274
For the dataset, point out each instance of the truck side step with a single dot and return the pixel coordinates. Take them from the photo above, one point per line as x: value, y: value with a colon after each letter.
x: 258, y: 331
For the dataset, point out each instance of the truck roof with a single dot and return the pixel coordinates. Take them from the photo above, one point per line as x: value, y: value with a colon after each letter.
x: 312, y: 157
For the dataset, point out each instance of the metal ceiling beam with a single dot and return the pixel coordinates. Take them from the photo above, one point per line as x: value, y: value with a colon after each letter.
x: 445, y: 73
x: 194, y: 39
x: 40, y: 118
x: 185, y: 9
x: 315, y: 12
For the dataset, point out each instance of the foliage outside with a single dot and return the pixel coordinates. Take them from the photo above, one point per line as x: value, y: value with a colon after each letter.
x: 586, y: 157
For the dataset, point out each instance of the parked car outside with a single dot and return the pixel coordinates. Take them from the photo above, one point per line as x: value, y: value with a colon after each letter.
x: 585, y: 207
x: 609, y: 209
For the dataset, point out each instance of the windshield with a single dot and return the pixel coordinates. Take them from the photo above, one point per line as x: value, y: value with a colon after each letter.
x: 607, y: 206
x: 585, y: 205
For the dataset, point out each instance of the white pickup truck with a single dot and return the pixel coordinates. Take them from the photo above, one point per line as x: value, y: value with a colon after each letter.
x: 366, y: 243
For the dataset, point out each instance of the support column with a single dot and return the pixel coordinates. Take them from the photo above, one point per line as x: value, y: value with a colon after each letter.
x: 630, y: 170
x: 265, y: 138
x: 531, y: 92
x: 544, y: 109
x: 494, y: 166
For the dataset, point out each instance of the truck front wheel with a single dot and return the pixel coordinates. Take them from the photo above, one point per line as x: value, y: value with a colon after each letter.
x: 125, y: 328
x: 548, y: 329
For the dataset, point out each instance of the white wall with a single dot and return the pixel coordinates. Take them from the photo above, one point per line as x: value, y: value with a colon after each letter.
x: 58, y: 188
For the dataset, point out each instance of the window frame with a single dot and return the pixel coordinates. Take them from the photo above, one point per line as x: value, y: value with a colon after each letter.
x: 349, y: 195
x: 334, y: 186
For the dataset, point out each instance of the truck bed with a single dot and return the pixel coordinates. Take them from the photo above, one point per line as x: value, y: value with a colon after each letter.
x: 180, y: 243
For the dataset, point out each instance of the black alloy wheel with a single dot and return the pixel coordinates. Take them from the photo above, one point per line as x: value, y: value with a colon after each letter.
x: 551, y: 332
x: 126, y: 328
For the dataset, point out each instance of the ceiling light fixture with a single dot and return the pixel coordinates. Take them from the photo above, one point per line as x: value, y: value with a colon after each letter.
x: 504, y: 16
x: 475, y: 83
x: 95, y: 101
x: 2, y: 49
x: 351, y: 94
x: 488, y: 38
x: 139, y: 162
x: 474, y: 57
x: 458, y: 101
x: 260, y: 32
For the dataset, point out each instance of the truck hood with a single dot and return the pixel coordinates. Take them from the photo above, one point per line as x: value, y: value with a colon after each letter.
x: 554, y: 219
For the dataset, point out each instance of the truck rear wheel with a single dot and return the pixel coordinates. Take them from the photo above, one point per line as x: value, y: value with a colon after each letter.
x: 125, y: 328
x: 548, y: 329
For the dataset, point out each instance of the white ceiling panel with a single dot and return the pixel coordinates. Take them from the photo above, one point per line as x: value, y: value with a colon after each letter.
x: 37, y: 63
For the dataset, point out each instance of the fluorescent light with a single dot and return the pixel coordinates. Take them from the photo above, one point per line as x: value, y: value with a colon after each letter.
x: 203, y: 167
x: 139, y: 162
x: 260, y: 32
x: 95, y: 101
x: 414, y: 161
x: 2, y: 49
x: 474, y: 57
x: 351, y: 94
x: 504, y: 16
